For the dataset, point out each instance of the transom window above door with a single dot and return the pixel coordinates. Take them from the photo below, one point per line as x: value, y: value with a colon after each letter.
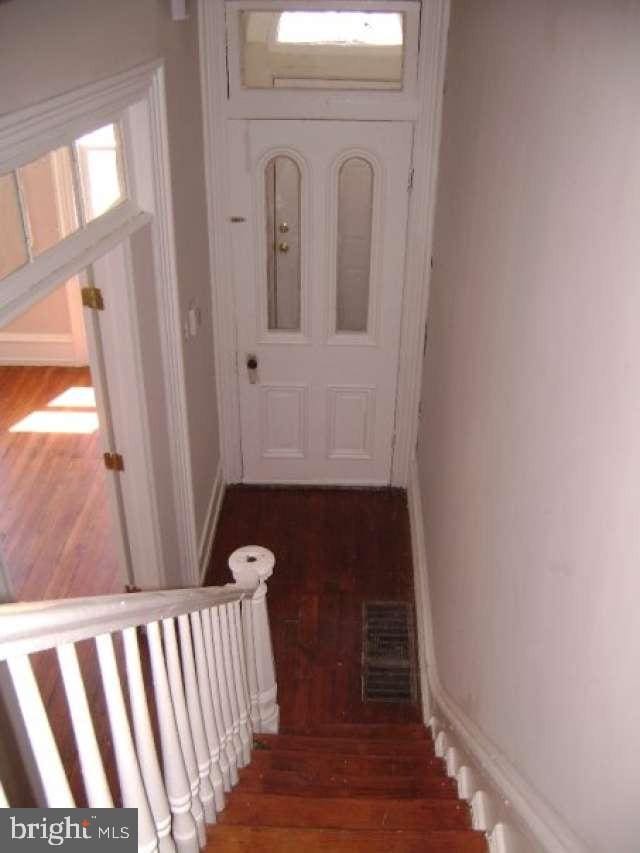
x: 49, y: 199
x: 344, y: 51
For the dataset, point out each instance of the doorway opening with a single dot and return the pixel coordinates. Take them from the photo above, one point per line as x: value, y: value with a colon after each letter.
x: 59, y: 534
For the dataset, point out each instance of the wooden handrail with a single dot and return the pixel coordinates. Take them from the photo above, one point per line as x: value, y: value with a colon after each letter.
x: 34, y: 626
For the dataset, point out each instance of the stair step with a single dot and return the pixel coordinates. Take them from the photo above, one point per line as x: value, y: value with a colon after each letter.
x: 277, y: 840
x: 303, y: 784
x: 344, y: 813
x: 381, y: 731
x: 320, y: 765
x: 345, y: 746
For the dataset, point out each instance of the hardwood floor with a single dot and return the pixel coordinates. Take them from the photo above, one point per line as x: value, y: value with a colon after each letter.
x: 55, y: 529
x: 335, y: 549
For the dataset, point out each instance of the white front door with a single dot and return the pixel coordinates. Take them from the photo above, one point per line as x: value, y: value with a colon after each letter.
x: 319, y: 212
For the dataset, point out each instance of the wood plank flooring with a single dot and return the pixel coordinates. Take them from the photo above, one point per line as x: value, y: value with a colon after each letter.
x: 334, y: 548
x: 55, y: 529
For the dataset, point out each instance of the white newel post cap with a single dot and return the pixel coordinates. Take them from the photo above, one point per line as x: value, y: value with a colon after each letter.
x: 251, y: 560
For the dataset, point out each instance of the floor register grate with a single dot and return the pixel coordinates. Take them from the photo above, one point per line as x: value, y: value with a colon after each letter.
x: 388, y: 652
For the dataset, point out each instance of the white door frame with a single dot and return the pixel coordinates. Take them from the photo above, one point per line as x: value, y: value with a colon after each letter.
x: 136, y: 98
x: 425, y: 111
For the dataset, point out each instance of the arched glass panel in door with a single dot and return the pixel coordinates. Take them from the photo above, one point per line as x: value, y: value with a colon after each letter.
x: 282, y: 200
x: 353, y: 262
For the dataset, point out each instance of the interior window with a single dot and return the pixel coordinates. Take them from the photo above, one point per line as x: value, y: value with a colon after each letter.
x: 45, y: 201
x: 322, y: 49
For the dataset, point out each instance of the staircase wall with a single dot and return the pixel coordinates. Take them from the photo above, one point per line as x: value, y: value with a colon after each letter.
x: 529, y: 450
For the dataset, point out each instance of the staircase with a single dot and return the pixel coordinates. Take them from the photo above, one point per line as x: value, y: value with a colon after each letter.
x: 345, y: 787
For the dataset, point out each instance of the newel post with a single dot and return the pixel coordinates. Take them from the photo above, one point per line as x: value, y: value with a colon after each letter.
x: 249, y: 565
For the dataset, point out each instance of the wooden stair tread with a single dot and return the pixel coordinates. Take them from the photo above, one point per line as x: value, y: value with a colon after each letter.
x: 319, y: 764
x: 344, y: 813
x: 346, y: 745
x: 336, y: 785
x: 380, y: 731
x: 278, y: 840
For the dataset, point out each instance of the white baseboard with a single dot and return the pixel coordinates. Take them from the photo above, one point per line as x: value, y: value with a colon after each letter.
x: 210, y: 524
x: 29, y: 349
x: 503, y: 803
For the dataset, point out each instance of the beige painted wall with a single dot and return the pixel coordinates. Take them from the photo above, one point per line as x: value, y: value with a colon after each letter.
x: 529, y: 450
x: 72, y: 42
x: 48, y: 316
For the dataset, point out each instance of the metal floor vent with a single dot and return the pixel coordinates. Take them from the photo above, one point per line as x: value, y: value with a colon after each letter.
x: 388, y: 652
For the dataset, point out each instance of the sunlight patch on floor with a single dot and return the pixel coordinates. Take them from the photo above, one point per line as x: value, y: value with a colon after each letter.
x: 79, y: 423
x: 63, y: 414
x: 76, y: 397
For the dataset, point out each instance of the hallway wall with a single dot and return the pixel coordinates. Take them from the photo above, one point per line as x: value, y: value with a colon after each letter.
x: 48, y: 48
x: 529, y: 448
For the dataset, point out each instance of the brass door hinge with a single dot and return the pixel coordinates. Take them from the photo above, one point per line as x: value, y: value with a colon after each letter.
x: 113, y: 462
x: 92, y: 298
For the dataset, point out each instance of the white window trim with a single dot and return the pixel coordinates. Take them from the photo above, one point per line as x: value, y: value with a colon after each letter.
x: 136, y: 98
x: 425, y: 112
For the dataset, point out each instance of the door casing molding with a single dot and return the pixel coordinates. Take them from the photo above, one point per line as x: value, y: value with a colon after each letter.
x: 137, y: 98
x: 425, y: 111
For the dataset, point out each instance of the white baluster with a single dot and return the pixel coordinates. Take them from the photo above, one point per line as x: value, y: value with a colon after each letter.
x: 227, y: 755
x: 250, y: 657
x: 182, y: 719
x: 237, y: 657
x: 145, y: 744
x: 4, y: 802
x: 206, y: 702
x: 225, y: 636
x: 221, y: 649
x: 36, y: 722
x: 248, y: 565
x: 176, y: 781
x: 195, y: 716
x: 93, y: 775
x: 131, y: 786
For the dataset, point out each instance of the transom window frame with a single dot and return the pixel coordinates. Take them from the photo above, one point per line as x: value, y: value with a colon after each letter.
x: 314, y: 102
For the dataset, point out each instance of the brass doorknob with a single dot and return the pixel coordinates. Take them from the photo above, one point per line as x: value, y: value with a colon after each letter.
x: 283, y: 247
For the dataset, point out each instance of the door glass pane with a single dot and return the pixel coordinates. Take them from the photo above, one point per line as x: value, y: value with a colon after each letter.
x: 355, y: 206
x: 322, y: 49
x: 100, y: 171
x: 13, y: 249
x: 282, y: 198
x: 50, y: 204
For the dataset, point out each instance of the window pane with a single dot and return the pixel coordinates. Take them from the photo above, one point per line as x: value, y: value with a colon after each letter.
x: 100, y: 171
x: 322, y: 49
x: 282, y: 197
x: 13, y: 249
x: 47, y: 187
x: 355, y: 204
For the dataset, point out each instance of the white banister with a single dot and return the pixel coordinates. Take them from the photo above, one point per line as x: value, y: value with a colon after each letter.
x: 212, y: 684
x: 237, y: 656
x: 131, y: 786
x: 222, y: 652
x: 36, y: 625
x: 227, y: 754
x: 176, y: 781
x: 45, y: 751
x: 195, y: 716
x: 248, y: 565
x: 145, y: 745
x: 93, y: 775
x: 184, y: 727
x: 211, y: 730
